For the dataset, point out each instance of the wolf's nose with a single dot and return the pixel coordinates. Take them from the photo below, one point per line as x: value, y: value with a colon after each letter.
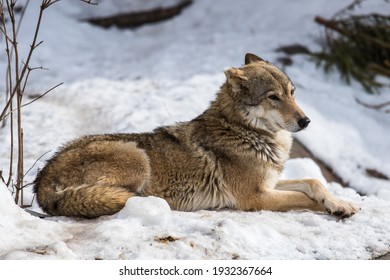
x: 304, y: 122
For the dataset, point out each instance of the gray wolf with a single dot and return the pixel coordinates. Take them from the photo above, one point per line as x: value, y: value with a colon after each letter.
x: 230, y: 156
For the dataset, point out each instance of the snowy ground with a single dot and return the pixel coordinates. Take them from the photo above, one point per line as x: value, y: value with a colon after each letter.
x: 134, y: 80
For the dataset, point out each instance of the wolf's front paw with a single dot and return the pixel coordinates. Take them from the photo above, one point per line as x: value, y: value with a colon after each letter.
x: 341, y: 208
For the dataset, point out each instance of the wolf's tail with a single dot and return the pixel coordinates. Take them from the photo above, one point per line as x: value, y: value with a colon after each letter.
x: 82, y: 201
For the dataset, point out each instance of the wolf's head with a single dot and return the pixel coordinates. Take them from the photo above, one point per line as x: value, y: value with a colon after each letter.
x: 264, y: 96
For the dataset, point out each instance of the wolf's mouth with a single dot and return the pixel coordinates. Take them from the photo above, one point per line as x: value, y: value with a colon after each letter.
x: 280, y: 126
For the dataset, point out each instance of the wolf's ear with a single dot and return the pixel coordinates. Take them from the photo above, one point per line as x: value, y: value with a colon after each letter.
x: 236, y: 78
x: 250, y: 57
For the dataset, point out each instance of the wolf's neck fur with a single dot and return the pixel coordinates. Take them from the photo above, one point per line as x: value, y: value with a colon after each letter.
x: 229, y: 130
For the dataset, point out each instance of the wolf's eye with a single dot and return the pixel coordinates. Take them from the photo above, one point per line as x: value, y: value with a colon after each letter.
x: 273, y: 97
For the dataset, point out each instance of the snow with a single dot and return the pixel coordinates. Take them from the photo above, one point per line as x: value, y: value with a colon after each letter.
x: 135, y: 80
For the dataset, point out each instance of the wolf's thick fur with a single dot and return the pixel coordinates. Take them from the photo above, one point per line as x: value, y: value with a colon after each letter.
x: 228, y: 157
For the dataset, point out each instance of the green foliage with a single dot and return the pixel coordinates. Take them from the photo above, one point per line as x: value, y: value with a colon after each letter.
x: 358, y: 46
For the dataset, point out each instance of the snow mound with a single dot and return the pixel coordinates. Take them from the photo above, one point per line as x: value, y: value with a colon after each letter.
x: 302, y: 168
x: 151, y: 210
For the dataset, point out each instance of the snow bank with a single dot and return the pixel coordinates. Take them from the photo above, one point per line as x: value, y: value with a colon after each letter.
x: 148, y: 229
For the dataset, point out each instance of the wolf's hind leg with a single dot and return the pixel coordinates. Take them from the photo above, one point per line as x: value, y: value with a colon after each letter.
x: 115, y: 171
x: 116, y: 163
x: 316, y: 191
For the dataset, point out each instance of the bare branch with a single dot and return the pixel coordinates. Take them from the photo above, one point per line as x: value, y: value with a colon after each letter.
x: 28, y: 74
x: 43, y: 94
x: 90, y: 2
x: 5, y: 34
x: 22, y: 16
x: 9, y: 86
x: 373, y: 106
x: 37, y: 68
x: 2, y: 178
x: 36, y: 163
x: 35, y: 99
x: 48, y: 3
x: 37, y: 45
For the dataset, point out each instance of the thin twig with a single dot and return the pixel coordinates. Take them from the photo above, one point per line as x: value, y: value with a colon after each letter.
x: 35, y: 163
x: 1, y: 176
x: 39, y: 97
x: 9, y: 85
x: 28, y: 74
x: 5, y: 33
x: 48, y: 3
x: 372, y: 106
x: 19, y: 96
x: 89, y: 2
x: 347, y: 8
x: 22, y: 16
x: 26, y: 80
x: 43, y: 94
